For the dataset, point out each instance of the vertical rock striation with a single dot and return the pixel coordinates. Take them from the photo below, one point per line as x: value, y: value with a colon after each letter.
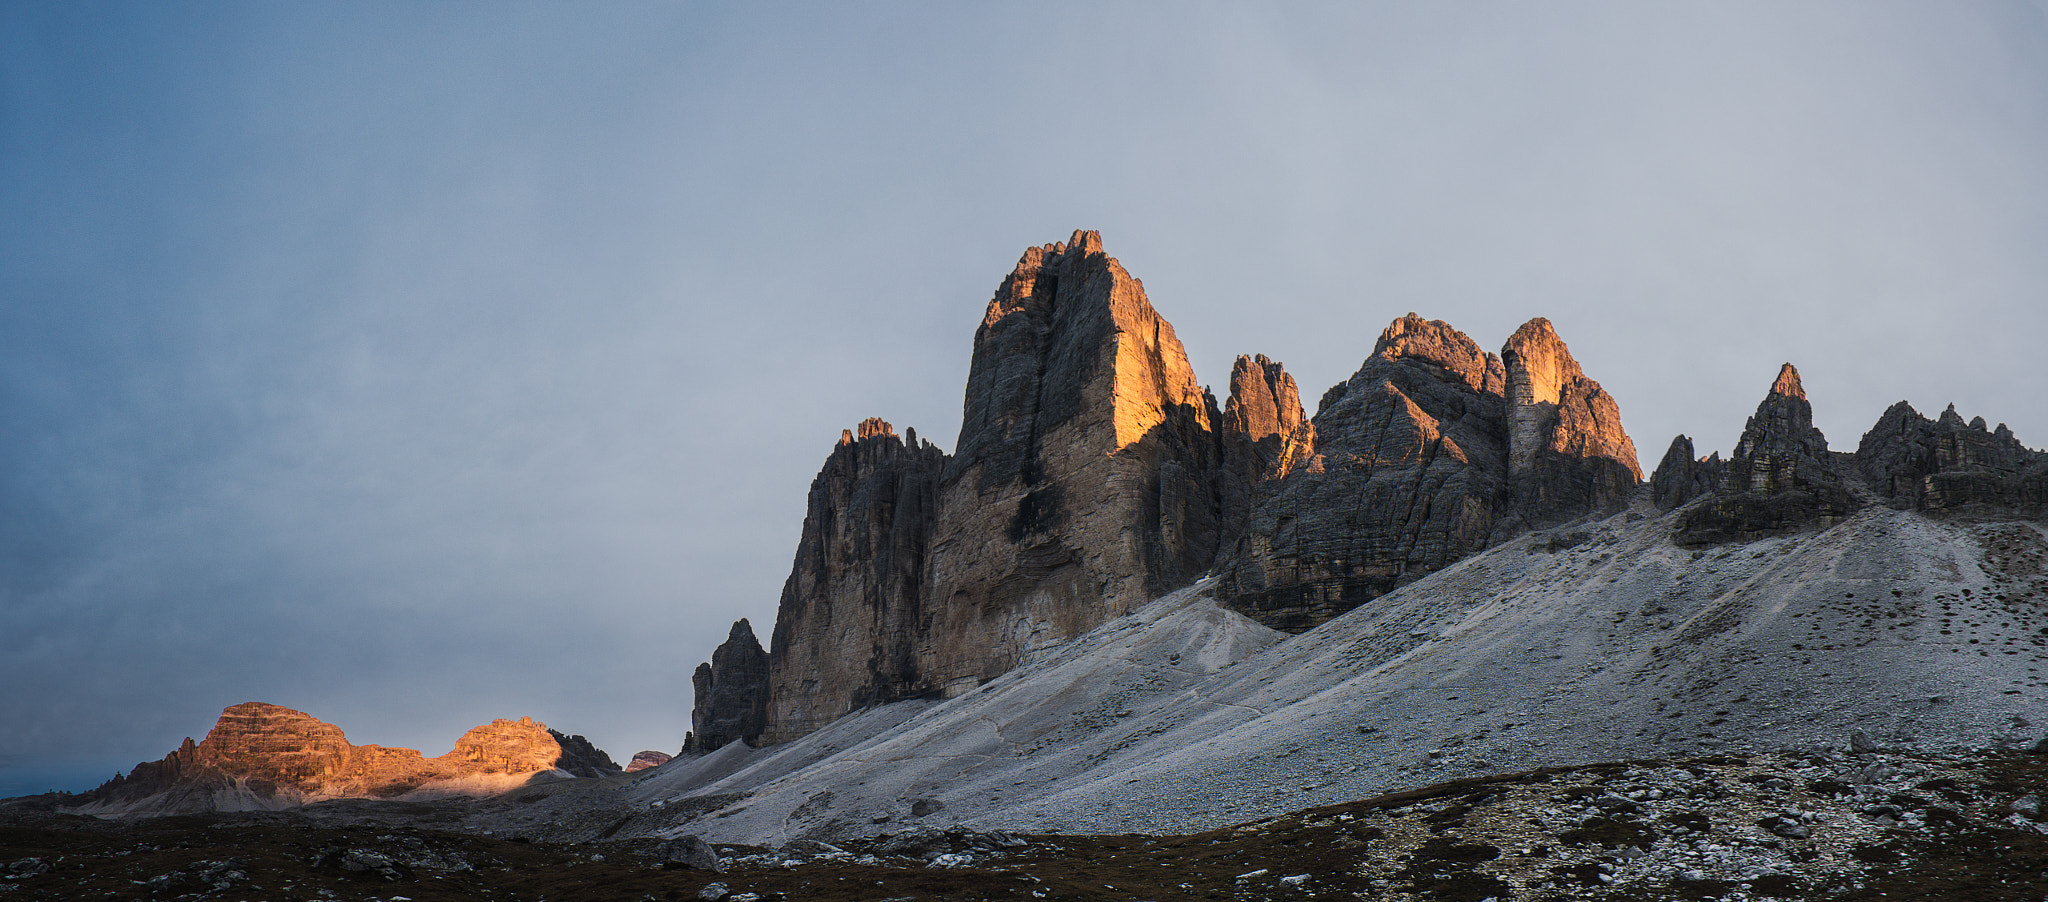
x: 1264, y: 435
x: 1410, y: 473
x: 1567, y: 452
x: 1432, y: 451
x: 1780, y: 477
x: 1093, y: 474
x: 1947, y: 465
x: 732, y: 693
x: 1084, y: 480
x: 848, y: 627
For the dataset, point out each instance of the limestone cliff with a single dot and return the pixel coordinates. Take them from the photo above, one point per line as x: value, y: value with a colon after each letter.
x: 1567, y: 452
x: 731, y: 693
x: 1946, y: 465
x: 1409, y: 474
x: 1780, y: 477
x: 848, y: 627
x: 1264, y: 435
x: 1083, y: 483
x: 263, y: 755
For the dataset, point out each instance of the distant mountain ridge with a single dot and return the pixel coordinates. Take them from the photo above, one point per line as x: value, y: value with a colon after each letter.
x: 1093, y: 473
x: 263, y: 756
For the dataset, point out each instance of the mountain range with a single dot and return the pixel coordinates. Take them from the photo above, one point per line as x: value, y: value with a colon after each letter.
x: 1119, y: 605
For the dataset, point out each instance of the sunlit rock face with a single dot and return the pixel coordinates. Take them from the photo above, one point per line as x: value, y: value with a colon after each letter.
x: 1780, y: 477
x: 848, y: 626
x: 1567, y: 452
x: 263, y: 755
x: 1947, y: 465
x: 1265, y: 436
x: 731, y: 693
x: 1084, y: 481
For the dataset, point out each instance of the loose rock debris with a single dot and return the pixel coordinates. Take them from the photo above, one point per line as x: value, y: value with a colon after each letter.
x: 1780, y: 826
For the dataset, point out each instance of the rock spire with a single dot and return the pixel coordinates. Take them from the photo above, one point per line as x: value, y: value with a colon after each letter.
x: 731, y: 693
x: 1780, y: 477
x: 1083, y: 483
x: 848, y: 627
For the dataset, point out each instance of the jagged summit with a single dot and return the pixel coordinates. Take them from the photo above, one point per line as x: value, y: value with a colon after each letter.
x: 1435, y: 449
x: 1947, y: 465
x: 1093, y: 473
x: 261, y: 756
x: 731, y: 693
x: 1080, y: 485
x: 1788, y: 383
x: 1780, y: 477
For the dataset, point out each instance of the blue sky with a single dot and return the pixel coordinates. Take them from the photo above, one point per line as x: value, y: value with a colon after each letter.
x: 415, y: 365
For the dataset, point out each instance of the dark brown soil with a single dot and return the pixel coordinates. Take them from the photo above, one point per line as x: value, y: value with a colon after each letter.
x: 1969, y: 853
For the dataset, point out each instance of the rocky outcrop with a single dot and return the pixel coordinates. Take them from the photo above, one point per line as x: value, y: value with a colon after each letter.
x: 581, y: 758
x: 645, y: 759
x: 848, y: 626
x: 265, y: 755
x: 1409, y: 474
x: 1567, y: 452
x: 1780, y: 477
x: 1084, y: 480
x: 1265, y: 436
x: 731, y: 693
x: 1433, y: 450
x: 1947, y: 465
x: 1093, y: 473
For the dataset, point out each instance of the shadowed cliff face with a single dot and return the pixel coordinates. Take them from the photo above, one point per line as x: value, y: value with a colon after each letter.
x: 1432, y: 451
x: 1781, y: 476
x: 1084, y: 482
x: 1409, y: 474
x: 731, y: 693
x: 847, y: 629
x: 1094, y: 474
x: 1947, y: 465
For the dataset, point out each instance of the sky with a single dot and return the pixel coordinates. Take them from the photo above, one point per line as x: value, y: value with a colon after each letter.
x: 415, y: 365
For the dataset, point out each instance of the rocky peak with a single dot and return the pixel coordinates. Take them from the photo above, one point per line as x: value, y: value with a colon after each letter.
x: 1413, y: 452
x: 1436, y: 342
x: 1947, y: 465
x: 1431, y: 451
x: 508, y: 747
x: 582, y: 758
x: 847, y: 626
x: 264, y: 755
x: 647, y: 758
x: 1264, y: 413
x: 1083, y: 483
x: 1781, y: 476
x: 731, y: 693
x: 1781, y: 427
x: 1567, y: 451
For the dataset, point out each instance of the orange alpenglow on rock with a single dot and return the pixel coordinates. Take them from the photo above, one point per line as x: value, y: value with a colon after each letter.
x: 264, y: 756
x: 1094, y: 473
